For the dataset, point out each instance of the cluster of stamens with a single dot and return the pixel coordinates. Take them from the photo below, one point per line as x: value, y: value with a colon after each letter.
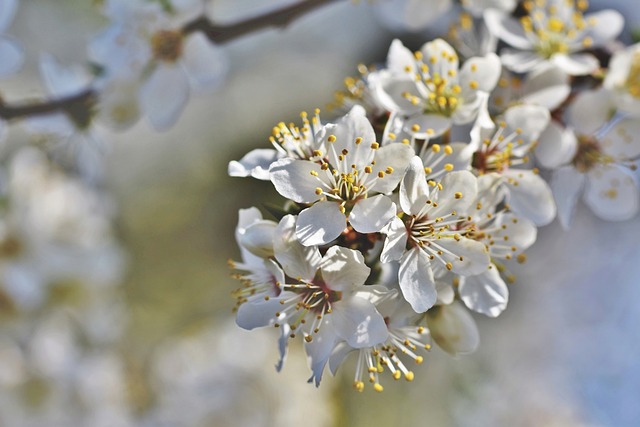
x: 425, y: 232
x: 557, y: 26
x: 495, y: 154
x: 444, y: 94
x: 373, y: 361
x: 309, y: 303
x: 347, y: 182
x: 252, y: 284
x: 297, y: 141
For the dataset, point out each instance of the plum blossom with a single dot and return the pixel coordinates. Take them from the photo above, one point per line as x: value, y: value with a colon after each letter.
x: 504, y: 149
x: 405, y: 341
x: 555, y: 31
x: 348, y: 181
x: 506, y: 236
x: 149, y: 42
x: 320, y: 297
x: 430, y: 91
x: 594, y: 155
x: 427, y: 236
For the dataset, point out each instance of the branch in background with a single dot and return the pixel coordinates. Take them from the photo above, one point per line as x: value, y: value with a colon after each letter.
x: 218, y: 34
x: 277, y: 18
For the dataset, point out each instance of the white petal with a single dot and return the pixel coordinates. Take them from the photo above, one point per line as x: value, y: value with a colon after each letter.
x: 390, y: 91
x: 394, y: 156
x: 484, y: 293
x: 11, y: 56
x: 576, y: 64
x: 320, y: 348
x: 429, y: 125
x: 164, y: 95
x: 400, y: 59
x: 590, y: 110
x: 205, y: 63
x: 293, y: 179
x: 258, y: 238
x: 604, y: 26
x: 530, y: 196
x: 446, y: 293
x: 338, y: 355
x: 612, y: 193
x: 395, y: 242
x: 483, y: 70
x: 507, y: 29
x: 63, y: 80
x: 531, y: 119
x: 259, y: 312
x: 346, y: 131
x: 453, y: 329
x: 416, y: 280
x: 343, y: 269
x: 546, y: 85
x: 462, y: 182
x: 296, y: 260
x: 520, y: 233
x: 519, y: 61
x: 446, y: 58
x: 414, y: 190
x: 556, y: 146
x: 255, y: 163
x: 466, y: 256
x: 357, y: 321
x: 566, y: 184
x: 7, y: 13
x: 320, y: 224
x: 371, y: 214
x: 622, y: 141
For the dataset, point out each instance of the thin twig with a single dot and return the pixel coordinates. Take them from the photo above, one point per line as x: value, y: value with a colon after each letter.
x: 216, y: 33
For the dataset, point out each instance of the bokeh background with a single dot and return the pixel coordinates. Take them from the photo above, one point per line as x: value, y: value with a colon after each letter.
x: 566, y: 351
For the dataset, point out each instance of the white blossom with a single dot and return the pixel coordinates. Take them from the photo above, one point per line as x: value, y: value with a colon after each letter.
x: 556, y: 31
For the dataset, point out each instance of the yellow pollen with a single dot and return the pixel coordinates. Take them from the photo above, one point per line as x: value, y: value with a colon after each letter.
x: 318, y: 191
x: 415, y: 128
x: 377, y: 387
x: 458, y: 195
x: 397, y: 375
x: 435, y: 148
x: 331, y: 138
x: 375, y: 145
x: 473, y: 84
x: 419, y: 360
x: 449, y: 266
x: 448, y: 167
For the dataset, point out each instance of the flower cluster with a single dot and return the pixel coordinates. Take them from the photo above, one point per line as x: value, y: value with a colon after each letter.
x: 406, y: 213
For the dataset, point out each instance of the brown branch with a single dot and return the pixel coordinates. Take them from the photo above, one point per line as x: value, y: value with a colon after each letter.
x: 76, y: 104
x: 277, y: 18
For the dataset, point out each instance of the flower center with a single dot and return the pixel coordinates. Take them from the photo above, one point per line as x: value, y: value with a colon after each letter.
x: 167, y: 45
x: 589, y: 154
x: 556, y: 26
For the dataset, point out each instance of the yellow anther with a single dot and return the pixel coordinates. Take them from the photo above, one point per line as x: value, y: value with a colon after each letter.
x: 415, y: 128
x: 448, y: 150
x: 367, y: 169
x: 389, y: 170
x: 331, y: 138
x: 587, y: 42
x: 397, y: 375
x: 313, y: 173
x: 428, y: 170
x: 417, y: 55
x: 522, y: 258
x: 317, y: 153
x: 375, y: 145
x: 449, y: 266
x: 435, y: 148
x: 448, y: 167
x: 474, y: 67
x: 457, y: 195
x: 359, y: 386
x: 555, y: 24
x: 318, y: 191
x: 419, y: 360
x: 409, y: 376
x: 358, y: 140
x: 377, y: 387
